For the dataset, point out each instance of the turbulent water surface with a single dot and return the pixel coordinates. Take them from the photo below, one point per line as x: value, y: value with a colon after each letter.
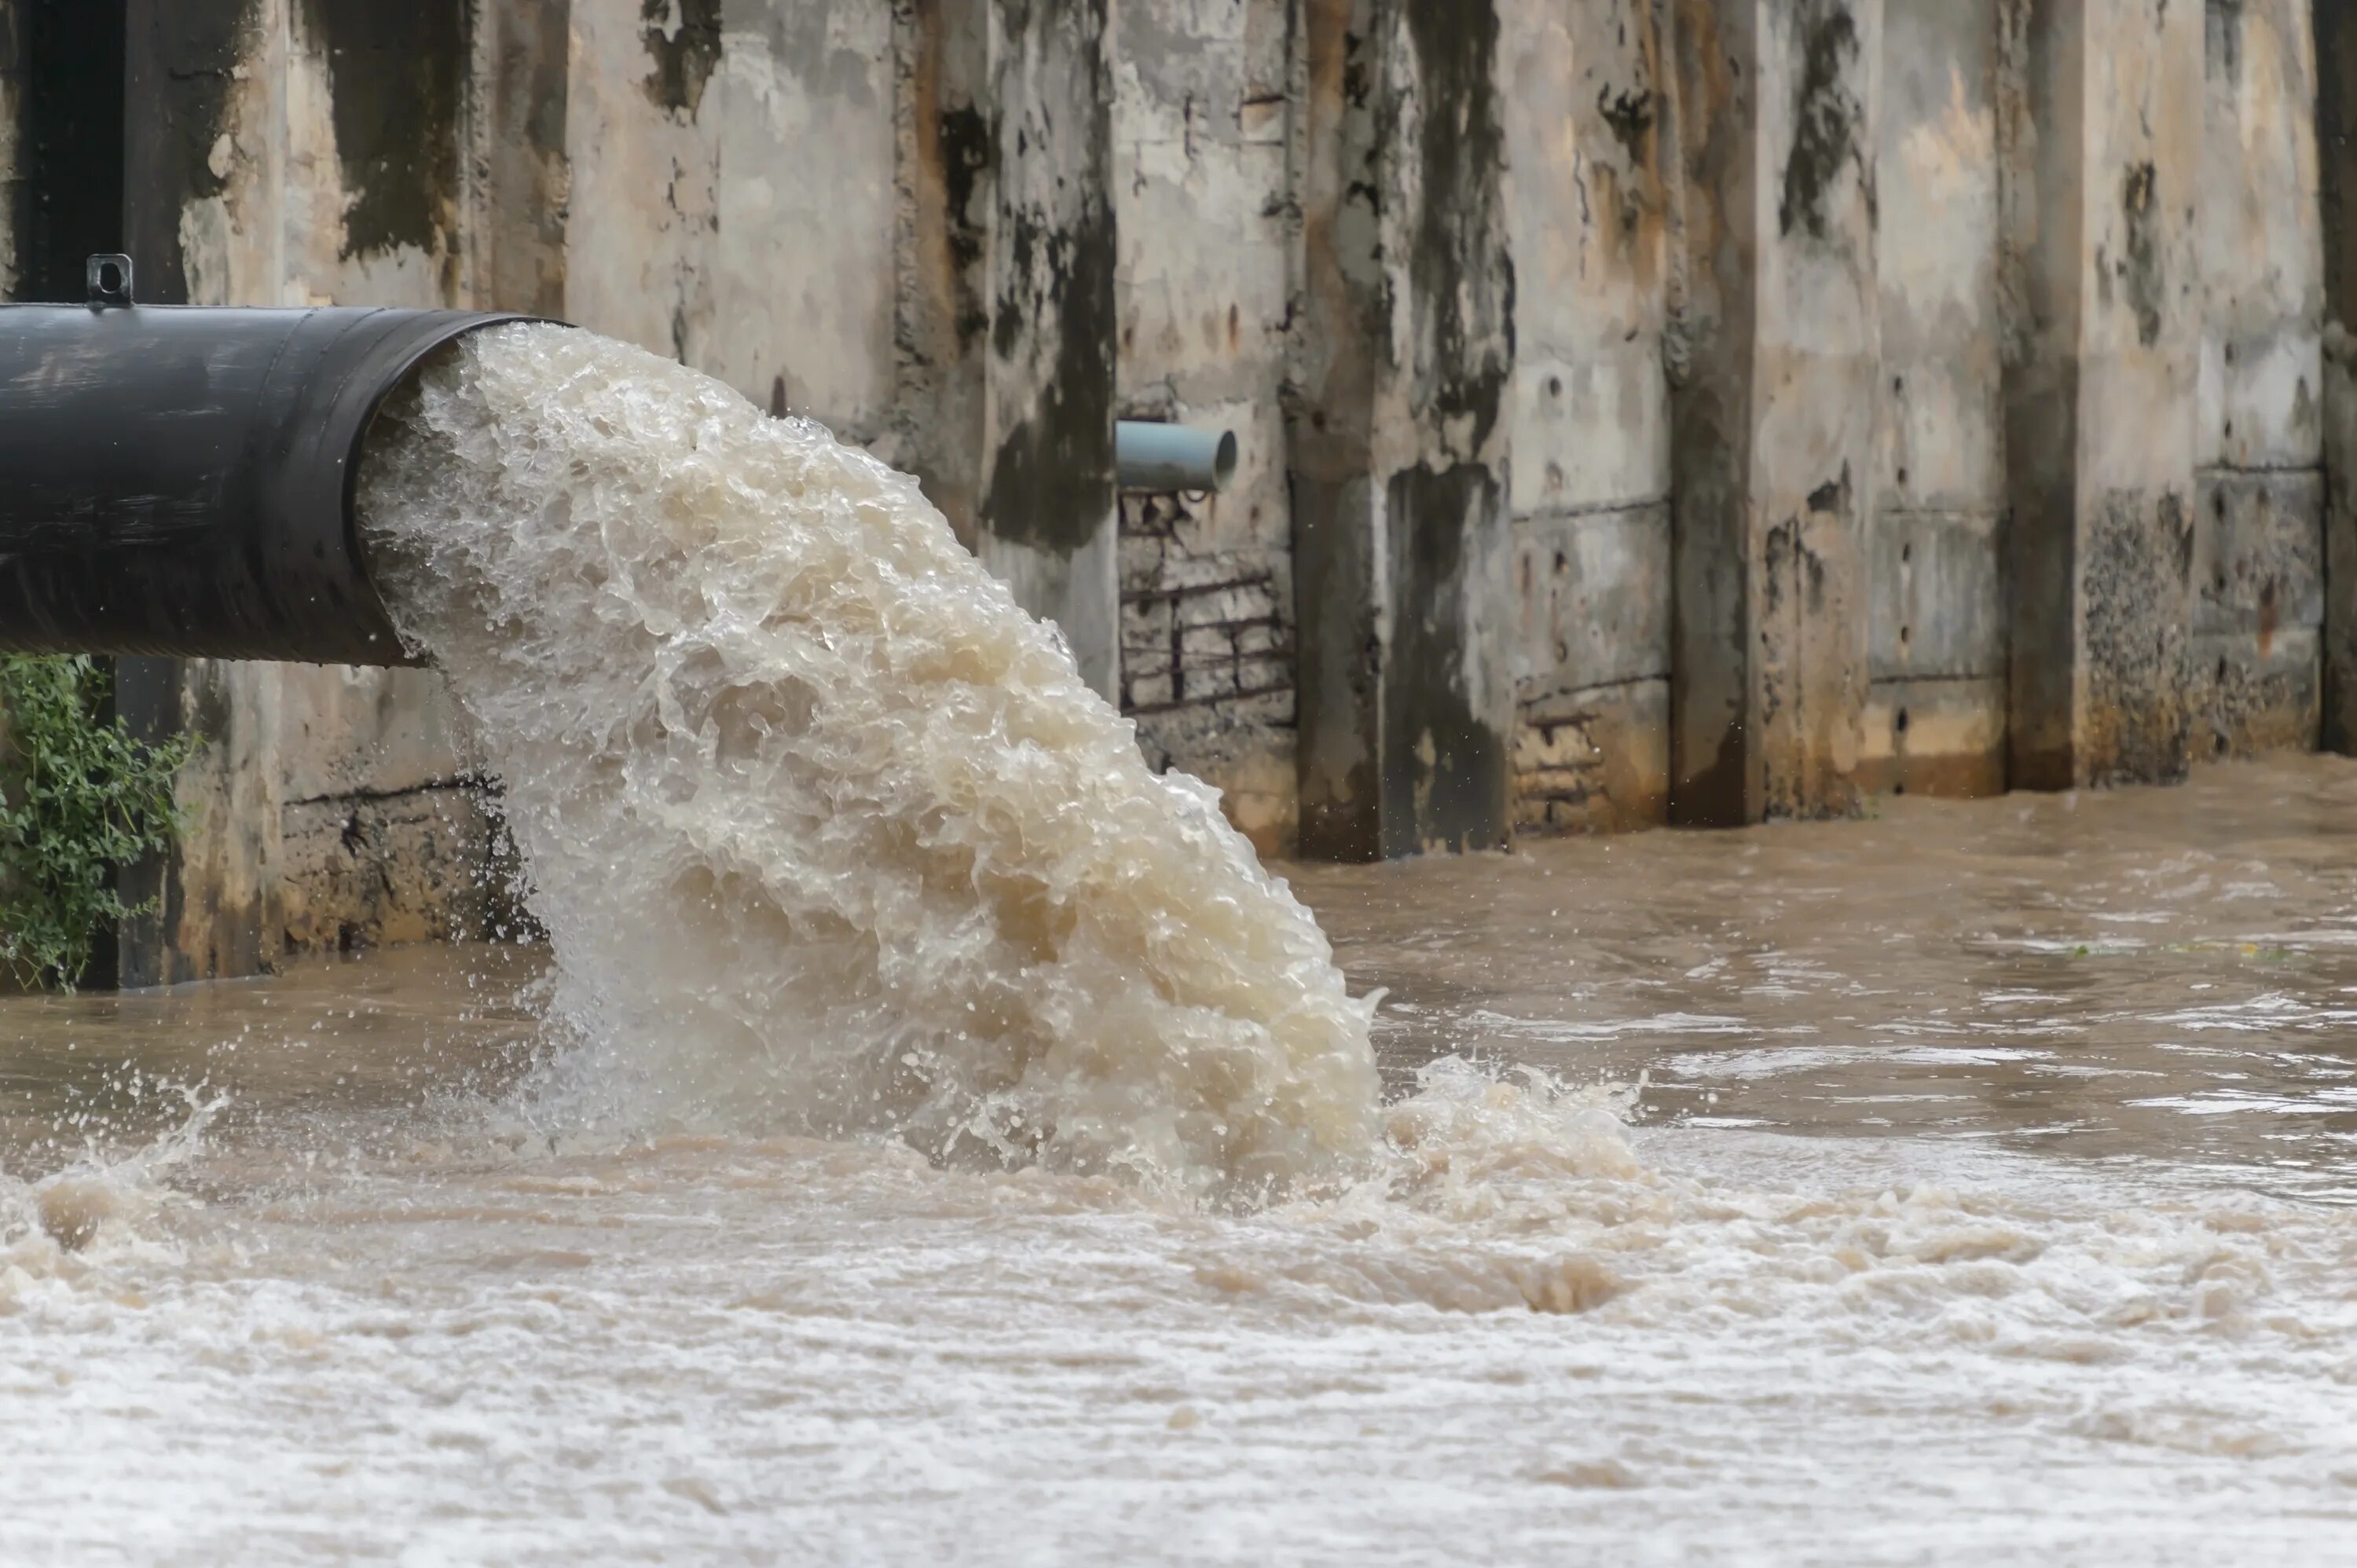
x: 928, y: 1136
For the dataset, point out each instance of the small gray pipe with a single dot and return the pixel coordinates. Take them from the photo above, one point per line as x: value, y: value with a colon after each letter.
x: 1167, y: 457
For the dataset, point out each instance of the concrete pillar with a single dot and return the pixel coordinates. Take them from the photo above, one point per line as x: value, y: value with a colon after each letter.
x: 1935, y: 721
x: 2336, y: 136
x: 1404, y: 351
x: 1006, y: 322
x: 1773, y: 418
x: 516, y: 173
x: 207, y: 917
x: 1589, y: 180
x: 2254, y: 656
x: 2100, y: 134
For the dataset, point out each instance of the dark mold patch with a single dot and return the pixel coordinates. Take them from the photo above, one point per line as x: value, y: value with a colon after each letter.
x: 1826, y: 116
x: 2140, y: 268
x: 1051, y: 480
x: 1460, y: 269
x: 1833, y: 496
x: 683, y: 39
x: 181, y: 57
x: 963, y: 137
x: 393, y: 80
x: 1629, y: 116
x: 1778, y: 550
x: 1444, y: 771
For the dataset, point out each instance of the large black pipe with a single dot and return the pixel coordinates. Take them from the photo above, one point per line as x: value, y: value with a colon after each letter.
x: 178, y: 481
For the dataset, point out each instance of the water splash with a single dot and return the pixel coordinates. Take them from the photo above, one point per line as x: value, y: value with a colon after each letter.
x: 827, y: 833
x: 106, y: 1201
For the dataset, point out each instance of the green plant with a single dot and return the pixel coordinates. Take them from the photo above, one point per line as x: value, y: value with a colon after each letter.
x: 79, y: 798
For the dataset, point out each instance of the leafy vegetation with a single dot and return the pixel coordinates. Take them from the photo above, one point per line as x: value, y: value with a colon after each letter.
x: 80, y: 799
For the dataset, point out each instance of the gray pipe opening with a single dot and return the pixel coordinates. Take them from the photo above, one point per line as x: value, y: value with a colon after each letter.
x: 1167, y: 457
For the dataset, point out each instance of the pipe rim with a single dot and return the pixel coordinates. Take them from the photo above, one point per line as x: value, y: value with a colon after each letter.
x: 405, y: 369
x: 1224, y: 461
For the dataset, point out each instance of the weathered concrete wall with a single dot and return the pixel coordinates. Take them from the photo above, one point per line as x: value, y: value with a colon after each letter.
x: 1005, y: 321
x: 2255, y: 654
x: 1935, y: 714
x: 732, y: 195
x: 1201, y: 181
x: 214, y: 904
x: 2101, y: 133
x: 1774, y: 426
x: 1399, y: 431
x: 516, y: 177
x: 1650, y: 409
x: 1588, y: 213
x: 1047, y: 521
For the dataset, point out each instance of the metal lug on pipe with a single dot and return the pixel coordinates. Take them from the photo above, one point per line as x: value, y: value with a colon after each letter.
x: 1167, y: 457
x: 109, y: 279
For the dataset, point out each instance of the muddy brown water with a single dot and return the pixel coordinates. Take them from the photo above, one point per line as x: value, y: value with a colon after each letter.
x: 1967, y: 1181
x: 2163, y: 975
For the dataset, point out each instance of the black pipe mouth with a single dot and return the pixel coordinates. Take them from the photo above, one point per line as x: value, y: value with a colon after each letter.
x: 400, y: 374
x: 183, y: 481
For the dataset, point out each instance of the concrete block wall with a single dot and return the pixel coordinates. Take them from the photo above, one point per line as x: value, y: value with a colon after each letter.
x: 1651, y: 409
